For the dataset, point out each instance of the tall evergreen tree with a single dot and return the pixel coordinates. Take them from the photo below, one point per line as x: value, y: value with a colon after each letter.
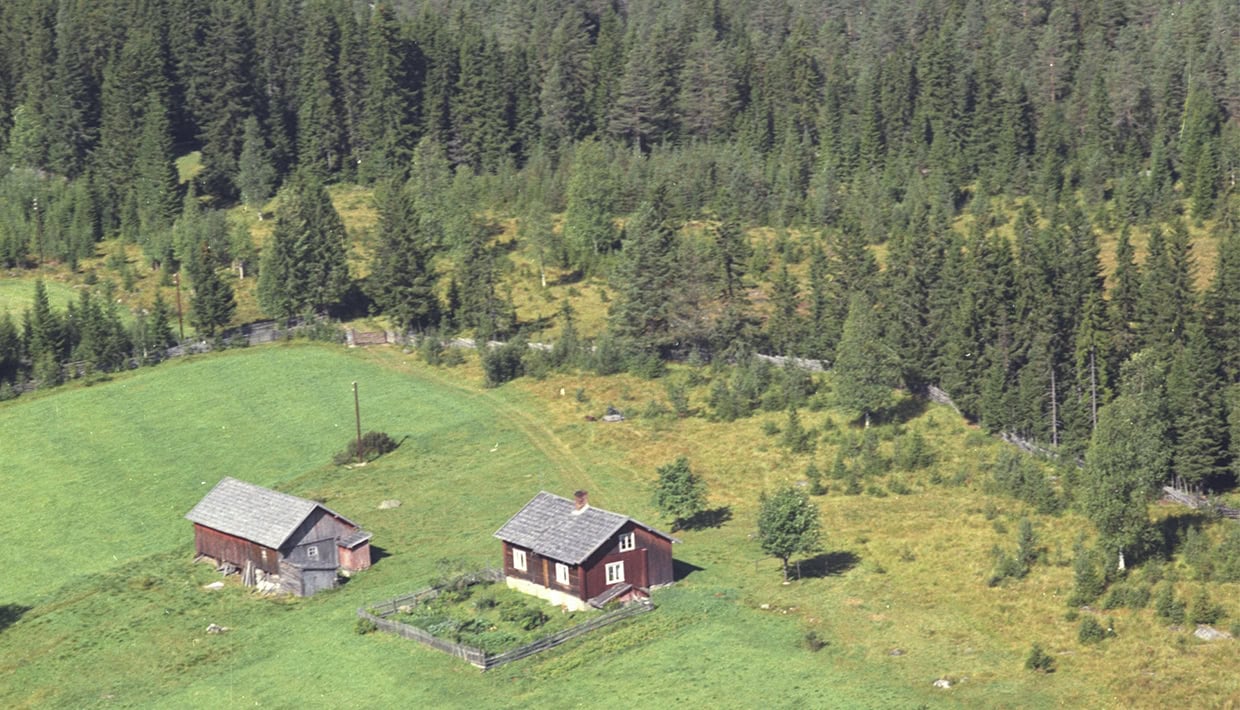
x: 256, y: 172
x: 155, y: 188
x: 212, y: 303
x: 224, y: 71
x: 865, y: 370
x: 322, y: 136
x: 589, y: 229
x: 303, y: 264
x: 1196, y: 408
x: 389, y: 108
x: 646, y: 278
x: 402, y: 279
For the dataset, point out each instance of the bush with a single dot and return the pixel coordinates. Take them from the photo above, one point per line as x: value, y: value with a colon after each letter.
x: 524, y: 615
x: 504, y: 363
x: 374, y: 445
x: 1203, y: 610
x: 814, y: 476
x: 1167, y: 607
x: 912, y: 453
x: 813, y: 641
x: 1015, y: 475
x: 1038, y: 660
x: 364, y: 626
x: 1129, y: 596
x: 1089, y: 582
x: 1091, y: 631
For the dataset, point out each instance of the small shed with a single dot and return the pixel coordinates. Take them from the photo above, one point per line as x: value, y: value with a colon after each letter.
x: 575, y: 556
x: 301, y: 541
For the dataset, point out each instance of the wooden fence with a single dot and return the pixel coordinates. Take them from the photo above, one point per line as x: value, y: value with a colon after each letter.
x: 378, y: 613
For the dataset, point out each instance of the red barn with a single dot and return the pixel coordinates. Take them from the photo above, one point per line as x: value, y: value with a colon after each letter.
x: 301, y: 541
x: 574, y: 555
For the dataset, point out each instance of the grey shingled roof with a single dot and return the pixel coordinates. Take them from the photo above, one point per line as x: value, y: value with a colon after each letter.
x: 548, y: 526
x: 252, y: 512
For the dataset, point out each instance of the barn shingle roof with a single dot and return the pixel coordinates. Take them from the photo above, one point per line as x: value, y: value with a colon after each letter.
x: 254, y: 513
x: 548, y: 526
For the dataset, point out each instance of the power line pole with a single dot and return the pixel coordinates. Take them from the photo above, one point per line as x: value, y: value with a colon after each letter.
x: 357, y: 414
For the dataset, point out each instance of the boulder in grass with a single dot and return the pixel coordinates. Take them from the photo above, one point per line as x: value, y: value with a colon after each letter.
x: 1209, y: 633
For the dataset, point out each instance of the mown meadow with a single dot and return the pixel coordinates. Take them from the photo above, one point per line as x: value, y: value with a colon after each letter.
x: 104, y: 605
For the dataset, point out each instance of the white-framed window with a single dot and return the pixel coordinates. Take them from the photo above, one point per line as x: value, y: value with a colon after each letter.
x: 628, y: 541
x: 561, y: 573
x: 518, y: 559
x: 312, y: 552
x: 615, y: 572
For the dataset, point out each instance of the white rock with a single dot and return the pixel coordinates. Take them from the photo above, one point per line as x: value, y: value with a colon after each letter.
x: 214, y: 585
x: 1209, y: 633
x: 388, y: 504
x: 943, y: 683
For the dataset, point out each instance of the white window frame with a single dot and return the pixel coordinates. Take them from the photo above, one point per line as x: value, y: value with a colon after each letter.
x: 312, y: 552
x: 519, y: 560
x: 615, y: 572
x: 561, y: 573
x: 628, y: 541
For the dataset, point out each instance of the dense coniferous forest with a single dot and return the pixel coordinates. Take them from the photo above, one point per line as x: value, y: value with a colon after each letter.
x: 939, y: 175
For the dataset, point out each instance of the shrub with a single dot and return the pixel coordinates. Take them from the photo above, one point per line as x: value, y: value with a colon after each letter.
x: 1091, y: 631
x: 1038, y: 660
x: 1088, y: 581
x: 1006, y: 567
x: 1167, y: 607
x: 678, y: 397
x: 504, y: 363
x: 1130, y: 596
x: 1015, y: 475
x: 912, y: 453
x: 364, y: 626
x: 853, y: 488
x: 374, y: 445
x: 814, y: 476
x: 813, y: 641
x: 1203, y: 610
x: 524, y: 615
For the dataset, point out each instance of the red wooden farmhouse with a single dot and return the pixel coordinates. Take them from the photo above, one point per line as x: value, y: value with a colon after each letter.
x: 574, y: 555
x: 301, y: 541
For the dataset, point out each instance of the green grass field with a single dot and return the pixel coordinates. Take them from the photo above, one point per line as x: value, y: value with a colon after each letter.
x: 104, y: 605
x: 17, y: 293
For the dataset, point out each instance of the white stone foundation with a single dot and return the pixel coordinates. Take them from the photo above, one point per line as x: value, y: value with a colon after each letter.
x: 554, y: 596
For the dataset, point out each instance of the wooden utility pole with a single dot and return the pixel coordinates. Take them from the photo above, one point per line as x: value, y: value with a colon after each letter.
x: 357, y: 415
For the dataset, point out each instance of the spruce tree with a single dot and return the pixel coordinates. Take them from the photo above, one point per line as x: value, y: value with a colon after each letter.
x: 1196, y: 408
x: 645, y: 279
x: 322, y: 139
x: 303, y: 263
x: 256, y: 173
x: 155, y: 184
x: 865, y: 370
x: 212, y: 303
x: 589, y: 229
x: 402, y: 279
x: 389, y: 106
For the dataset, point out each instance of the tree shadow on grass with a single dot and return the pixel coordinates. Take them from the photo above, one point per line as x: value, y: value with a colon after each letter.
x: 906, y: 410
x: 10, y: 614
x: 713, y: 518
x: 682, y: 569
x: 828, y: 564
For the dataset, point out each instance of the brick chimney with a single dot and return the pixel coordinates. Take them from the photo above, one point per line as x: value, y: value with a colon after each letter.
x: 581, y: 501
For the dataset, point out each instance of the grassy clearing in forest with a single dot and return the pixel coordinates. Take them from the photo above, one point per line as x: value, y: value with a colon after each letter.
x: 899, y: 593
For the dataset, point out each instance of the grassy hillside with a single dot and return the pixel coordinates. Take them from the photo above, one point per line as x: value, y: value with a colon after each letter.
x: 110, y: 608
